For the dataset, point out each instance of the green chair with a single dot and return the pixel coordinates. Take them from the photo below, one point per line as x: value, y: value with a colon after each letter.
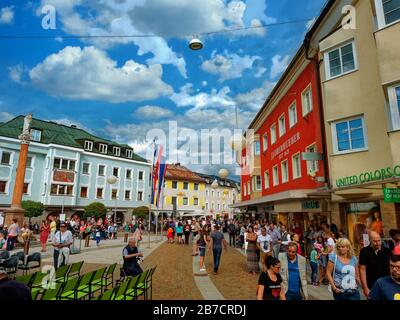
x: 75, y: 270
x: 107, y: 295
x: 83, y: 287
x: 69, y: 289
x: 108, y: 278
x: 26, y: 279
x: 52, y: 294
x: 96, y: 283
x: 133, y: 292
x: 120, y: 291
x: 35, y: 294
x: 147, y: 285
x: 37, y: 285
x: 61, y: 273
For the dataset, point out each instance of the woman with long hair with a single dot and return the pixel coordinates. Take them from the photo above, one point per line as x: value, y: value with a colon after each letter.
x: 44, y: 234
x: 323, y: 257
x: 252, y: 259
x: 203, y: 243
x: 270, y: 282
x: 342, y: 272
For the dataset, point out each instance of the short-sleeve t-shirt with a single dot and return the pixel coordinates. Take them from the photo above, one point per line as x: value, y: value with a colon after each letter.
x: 179, y: 229
x: 313, y: 256
x: 376, y: 264
x: 272, y: 289
x: 345, y: 274
x: 385, y: 289
x: 217, y: 238
x: 265, y: 242
x: 53, y: 226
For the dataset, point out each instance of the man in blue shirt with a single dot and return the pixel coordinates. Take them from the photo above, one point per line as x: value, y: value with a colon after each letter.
x: 388, y: 288
x: 276, y: 239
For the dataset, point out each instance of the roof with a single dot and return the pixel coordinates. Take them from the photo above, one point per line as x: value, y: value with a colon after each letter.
x: 59, y: 134
x: 178, y: 172
x: 222, y: 182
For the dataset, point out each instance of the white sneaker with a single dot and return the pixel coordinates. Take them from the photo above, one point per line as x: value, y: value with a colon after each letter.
x: 203, y: 269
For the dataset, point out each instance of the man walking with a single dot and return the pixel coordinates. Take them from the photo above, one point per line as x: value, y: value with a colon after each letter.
x: 217, y: 239
x: 264, y: 245
x: 374, y: 262
x: 276, y: 238
x: 232, y: 233
x: 293, y: 273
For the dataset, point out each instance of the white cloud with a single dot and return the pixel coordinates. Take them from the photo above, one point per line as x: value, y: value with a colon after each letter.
x: 7, y: 15
x: 228, y: 65
x: 153, y: 112
x: 16, y: 73
x: 204, y: 83
x: 89, y: 74
x: 279, y: 64
x: 256, y: 97
x: 5, y: 116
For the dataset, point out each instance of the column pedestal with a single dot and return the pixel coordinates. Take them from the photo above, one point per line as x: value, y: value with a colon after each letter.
x: 14, y: 213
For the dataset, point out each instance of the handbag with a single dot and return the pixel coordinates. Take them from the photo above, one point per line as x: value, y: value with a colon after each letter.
x: 334, y: 269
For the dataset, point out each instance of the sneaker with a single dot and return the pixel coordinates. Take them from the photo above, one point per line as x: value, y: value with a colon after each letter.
x: 203, y: 269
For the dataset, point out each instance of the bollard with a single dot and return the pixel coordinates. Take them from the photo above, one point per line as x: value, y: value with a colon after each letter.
x: 126, y: 237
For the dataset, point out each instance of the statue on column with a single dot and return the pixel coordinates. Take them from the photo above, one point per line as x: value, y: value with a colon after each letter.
x: 25, y: 137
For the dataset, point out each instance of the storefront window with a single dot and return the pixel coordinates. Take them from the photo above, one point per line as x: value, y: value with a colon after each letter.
x: 361, y: 219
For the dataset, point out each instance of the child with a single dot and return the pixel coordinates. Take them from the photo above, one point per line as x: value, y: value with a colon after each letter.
x: 314, y: 261
x: 170, y: 235
x: 2, y: 241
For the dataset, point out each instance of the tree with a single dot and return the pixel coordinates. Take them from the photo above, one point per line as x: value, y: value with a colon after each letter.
x: 32, y: 209
x: 141, y: 212
x: 95, y: 209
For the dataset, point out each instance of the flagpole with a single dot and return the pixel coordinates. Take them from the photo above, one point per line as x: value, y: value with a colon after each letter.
x: 151, y: 192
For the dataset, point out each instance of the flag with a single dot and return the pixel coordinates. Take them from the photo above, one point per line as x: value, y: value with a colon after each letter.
x: 158, y: 174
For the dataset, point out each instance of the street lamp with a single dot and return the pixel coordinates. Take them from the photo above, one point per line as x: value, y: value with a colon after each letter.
x: 195, y: 44
x: 112, y: 180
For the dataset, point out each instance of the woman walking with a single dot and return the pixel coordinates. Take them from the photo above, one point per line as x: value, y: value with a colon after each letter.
x: 138, y: 234
x: 342, y: 272
x: 179, y: 232
x: 44, y: 234
x: 186, y: 232
x: 270, y: 282
x: 203, y: 244
x: 252, y: 259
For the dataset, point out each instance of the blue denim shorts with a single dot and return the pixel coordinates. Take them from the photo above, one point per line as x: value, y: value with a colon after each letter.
x: 202, y: 252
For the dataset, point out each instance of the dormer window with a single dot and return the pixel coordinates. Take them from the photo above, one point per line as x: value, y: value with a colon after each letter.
x: 103, y: 148
x: 117, y: 151
x: 129, y: 154
x: 36, y: 135
x: 88, y: 145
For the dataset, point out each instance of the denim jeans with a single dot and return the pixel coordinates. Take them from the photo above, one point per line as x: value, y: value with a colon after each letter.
x: 217, y: 258
x: 314, y: 272
x: 290, y: 296
x: 275, y: 250
x: 11, y: 243
x: 347, y: 296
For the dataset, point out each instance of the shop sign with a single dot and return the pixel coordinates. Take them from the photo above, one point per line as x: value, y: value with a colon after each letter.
x: 377, y: 175
x: 282, y: 150
x: 63, y: 176
x: 391, y: 195
x: 307, y: 205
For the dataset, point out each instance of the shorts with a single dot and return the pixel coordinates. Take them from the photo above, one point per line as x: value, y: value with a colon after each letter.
x: 179, y: 234
x: 196, y: 237
x: 202, y: 251
x: 324, y: 261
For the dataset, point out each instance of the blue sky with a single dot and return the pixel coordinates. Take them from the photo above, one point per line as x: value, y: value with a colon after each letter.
x: 120, y: 88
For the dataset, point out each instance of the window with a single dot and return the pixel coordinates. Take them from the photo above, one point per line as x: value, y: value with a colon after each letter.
x: 248, y: 188
x: 275, y: 176
x: 36, y: 135
x: 206, y: 193
x: 99, y: 193
x: 174, y: 184
x: 196, y: 186
x: 349, y: 135
x: 265, y: 142
x: 185, y: 186
x: 266, y: 179
x: 101, y: 170
x: 117, y: 151
x: 6, y: 158
x: 307, y: 104
x: 173, y: 201
x: 128, y: 174
x: 29, y: 162
x: 84, y: 192
x: 285, y: 171
x: 85, y: 168
x: 244, y: 190
x: 212, y: 205
x: 58, y: 189
x: 257, y: 183
x: 140, y: 196
x: 212, y: 194
x: 296, y: 164
x: 219, y: 207
x: 292, y: 115
x: 141, y: 176
x: 3, y: 186
x: 312, y: 166
x: 388, y: 11
x: 282, y: 125
x: 340, y: 61
x: 273, y: 134
x: 64, y: 164
x: 394, y: 102
x: 206, y: 205
x: 257, y: 148
x: 116, y: 172
x: 195, y: 201
x: 129, y: 153
x: 26, y: 188
x: 88, y: 145
x: 114, y: 194
x: 185, y: 201
x: 103, y: 148
x: 127, y: 194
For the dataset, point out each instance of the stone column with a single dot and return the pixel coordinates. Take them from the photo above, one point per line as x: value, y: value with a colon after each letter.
x: 389, y: 218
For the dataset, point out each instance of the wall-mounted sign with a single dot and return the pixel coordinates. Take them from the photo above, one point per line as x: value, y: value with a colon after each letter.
x: 311, y: 156
x: 377, y: 175
x: 284, y: 146
x: 311, y: 205
x: 391, y: 195
x: 63, y: 176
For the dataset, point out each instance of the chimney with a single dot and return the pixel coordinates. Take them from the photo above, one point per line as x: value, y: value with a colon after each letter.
x: 73, y: 126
